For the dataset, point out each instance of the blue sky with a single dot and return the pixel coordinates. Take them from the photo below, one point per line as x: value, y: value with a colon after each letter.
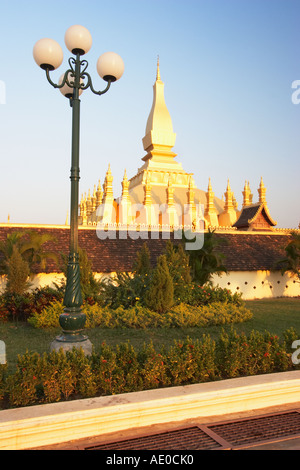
x: 228, y: 68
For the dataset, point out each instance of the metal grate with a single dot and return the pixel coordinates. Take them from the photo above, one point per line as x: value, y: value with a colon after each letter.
x: 184, y: 439
x: 224, y: 435
x: 261, y: 429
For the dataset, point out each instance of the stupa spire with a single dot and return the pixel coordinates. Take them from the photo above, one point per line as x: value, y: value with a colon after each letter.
x: 159, y: 129
x: 157, y: 70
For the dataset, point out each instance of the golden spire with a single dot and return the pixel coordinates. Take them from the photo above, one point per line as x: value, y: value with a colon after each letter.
x: 147, y: 199
x: 99, y: 195
x: 89, y: 205
x: 191, y: 192
x: 94, y: 199
x: 228, y: 198
x: 262, y: 191
x: 246, y: 195
x: 210, y: 212
x: 250, y: 194
x: 210, y: 207
x: 84, y: 212
x: 157, y: 70
x: 228, y: 216
x: 170, y: 192
x: 125, y: 186
x: 159, y: 128
x: 108, y: 189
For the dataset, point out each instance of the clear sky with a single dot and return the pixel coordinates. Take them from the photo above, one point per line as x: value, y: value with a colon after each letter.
x: 228, y: 68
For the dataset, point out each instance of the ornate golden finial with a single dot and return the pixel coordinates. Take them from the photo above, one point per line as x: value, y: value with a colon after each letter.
x: 8, y: 219
x: 191, y: 192
x: 89, y: 204
x: 228, y: 197
x: 94, y: 199
x: 99, y: 194
x: 250, y: 194
x: 170, y: 192
x: 108, y: 186
x: 246, y: 194
x: 234, y: 201
x: 210, y: 213
x: 209, y: 188
x: 157, y: 70
x: 125, y: 186
x: 210, y: 207
x: 147, y: 189
x: 262, y: 191
x: 84, y: 212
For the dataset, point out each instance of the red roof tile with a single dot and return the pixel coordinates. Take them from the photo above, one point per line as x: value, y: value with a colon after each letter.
x: 243, y: 251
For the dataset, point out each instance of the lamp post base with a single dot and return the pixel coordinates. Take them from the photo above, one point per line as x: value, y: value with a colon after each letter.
x: 84, y: 343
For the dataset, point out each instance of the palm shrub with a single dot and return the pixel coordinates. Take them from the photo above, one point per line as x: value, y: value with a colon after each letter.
x: 21, y: 253
x: 208, y: 260
x: 127, y: 289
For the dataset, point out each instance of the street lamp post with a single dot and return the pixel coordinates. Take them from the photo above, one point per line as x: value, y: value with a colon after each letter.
x: 49, y: 55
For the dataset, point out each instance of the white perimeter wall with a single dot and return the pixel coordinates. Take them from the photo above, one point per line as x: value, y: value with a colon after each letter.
x: 252, y: 284
x: 259, y: 284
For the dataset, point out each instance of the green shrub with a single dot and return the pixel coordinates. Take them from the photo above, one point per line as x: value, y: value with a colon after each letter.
x: 182, y: 315
x: 180, y: 271
x: 3, y: 368
x: 142, y: 263
x: 153, y: 368
x: 18, y: 307
x: 17, y: 273
x: 259, y: 353
x: 57, y: 376
x: 160, y: 296
x: 14, y: 307
x: 204, y: 295
x: 49, y: 316
x: 22, y: 387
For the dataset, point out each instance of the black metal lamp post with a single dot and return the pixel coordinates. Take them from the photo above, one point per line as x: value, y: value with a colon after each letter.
x: 49, y: 55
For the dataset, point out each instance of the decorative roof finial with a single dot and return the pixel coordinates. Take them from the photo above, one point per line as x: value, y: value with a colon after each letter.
x: 262, y: 191
x: 158, y: 71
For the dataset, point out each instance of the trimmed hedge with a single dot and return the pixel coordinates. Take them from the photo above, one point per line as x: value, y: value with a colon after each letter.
x: 182, y: 315
x: 56, y: 376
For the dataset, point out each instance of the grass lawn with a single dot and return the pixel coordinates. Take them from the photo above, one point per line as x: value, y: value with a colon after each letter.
x: 273, y: 315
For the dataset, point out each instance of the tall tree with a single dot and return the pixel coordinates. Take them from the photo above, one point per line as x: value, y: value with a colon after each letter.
x: 17, y: 273
x: 160, y: 296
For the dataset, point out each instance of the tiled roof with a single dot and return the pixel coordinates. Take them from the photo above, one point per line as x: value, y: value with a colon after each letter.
x: 243, y: 251
x: 249, y: 213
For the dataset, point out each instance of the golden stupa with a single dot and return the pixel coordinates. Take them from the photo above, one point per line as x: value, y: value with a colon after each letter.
x: 161, y: 194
